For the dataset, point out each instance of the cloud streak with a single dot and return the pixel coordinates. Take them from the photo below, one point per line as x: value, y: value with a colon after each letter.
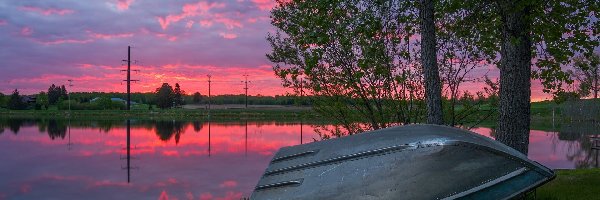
x: 46, y: 11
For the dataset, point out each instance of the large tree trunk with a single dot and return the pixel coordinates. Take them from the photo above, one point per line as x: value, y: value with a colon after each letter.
x: 433, y: 89
x: 515, y: 73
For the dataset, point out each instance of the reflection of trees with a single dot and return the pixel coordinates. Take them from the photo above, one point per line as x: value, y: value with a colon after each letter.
x: 579, y: 143
x: 167, y: 129
x: 56, y: 129
x: 15, y: 125
x: 197, y: 126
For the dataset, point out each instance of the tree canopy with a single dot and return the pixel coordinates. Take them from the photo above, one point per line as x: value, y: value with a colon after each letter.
x: 165, y: 96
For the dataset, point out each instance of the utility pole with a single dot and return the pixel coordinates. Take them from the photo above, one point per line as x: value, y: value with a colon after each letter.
x: 69, y: 95
x: 246, y: 87
x: 208, y: 93
x: 129, y: 77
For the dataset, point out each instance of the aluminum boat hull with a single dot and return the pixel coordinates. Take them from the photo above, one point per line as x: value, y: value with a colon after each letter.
x: 404, y: 162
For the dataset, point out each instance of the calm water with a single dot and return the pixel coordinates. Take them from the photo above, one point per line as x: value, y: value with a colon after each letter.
x: 43, y: 159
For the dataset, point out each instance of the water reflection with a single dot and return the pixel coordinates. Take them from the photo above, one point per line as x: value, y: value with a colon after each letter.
x: 167, y: 129
x: 180, y: 159
x: 173, y: 156
x: 570, y: 146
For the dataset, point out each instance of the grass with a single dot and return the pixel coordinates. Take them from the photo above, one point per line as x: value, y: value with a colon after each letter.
x: 178, y: 114
x: 572, y: 184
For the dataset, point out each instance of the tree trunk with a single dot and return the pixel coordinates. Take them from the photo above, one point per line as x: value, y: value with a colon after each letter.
x: 515, y: 73
x: 433, y: 90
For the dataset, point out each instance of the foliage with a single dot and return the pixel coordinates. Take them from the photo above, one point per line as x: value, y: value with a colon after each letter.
x: 2, y: 100
x: 457, y: 60
x: 561, y: 29
x: 41, y: 101
x: 178, y: 95
x: 15, y: 102
x: 197, y: 97
x: 356, y: 58
x: 587, y: 73
x: 564, y: 96
x: 165, y: 96
x: 492, y: 90
x: 102, y: 103
x: 55, y: 94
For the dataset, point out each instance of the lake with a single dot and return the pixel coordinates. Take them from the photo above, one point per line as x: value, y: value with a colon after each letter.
x: 61, y: 159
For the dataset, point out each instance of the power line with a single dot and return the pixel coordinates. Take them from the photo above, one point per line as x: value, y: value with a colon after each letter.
x: 246, y: 87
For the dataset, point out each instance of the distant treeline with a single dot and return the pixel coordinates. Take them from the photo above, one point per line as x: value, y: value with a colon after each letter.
x: 113, y: 100
x: 150, y: 98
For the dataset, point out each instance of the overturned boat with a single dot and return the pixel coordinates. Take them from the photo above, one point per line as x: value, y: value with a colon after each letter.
x: 406, y: 162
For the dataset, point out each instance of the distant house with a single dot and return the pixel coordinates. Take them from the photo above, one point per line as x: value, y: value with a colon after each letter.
x: 114, y: 99
x: 28, y: 99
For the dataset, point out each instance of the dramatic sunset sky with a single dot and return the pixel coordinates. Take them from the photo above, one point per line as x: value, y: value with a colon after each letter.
x: 46, y: 42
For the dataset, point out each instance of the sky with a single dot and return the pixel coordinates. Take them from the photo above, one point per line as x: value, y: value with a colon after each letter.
x: 50, y: 42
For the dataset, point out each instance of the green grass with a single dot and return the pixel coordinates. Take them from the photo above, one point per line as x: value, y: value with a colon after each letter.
x: 572, y: 184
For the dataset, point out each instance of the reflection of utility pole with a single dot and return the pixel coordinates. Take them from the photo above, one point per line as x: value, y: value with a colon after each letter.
x: 301, y: 103
x: 246, y: 144
x: 246, y: 87
x: 128, y: 140
x: 209, y: 96
x: 69, y: 144
x: 209, y: 136
x: 69, y: 95
x: 129, y: 77
x: 301, y: 133
x: 128, y: 157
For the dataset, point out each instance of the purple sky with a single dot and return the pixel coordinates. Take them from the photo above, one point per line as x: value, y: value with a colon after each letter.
x: 49, y: 42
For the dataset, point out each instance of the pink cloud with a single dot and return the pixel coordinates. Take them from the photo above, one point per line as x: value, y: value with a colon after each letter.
x: 109, y: 36
x: 228, y: 35
x: 228, y: 184
x: 65, y: 41
x: 166, y: 36
x: 264, y: 4
x: 206, y: 196
x: 189, y: 24
x: 188, y: 10
x: 46, y: 11
x: 206, y: 23
x: 26, y: 31
x: 124, y: 4
x: 252, y: 20
x: 229, y: 23
x: 3, y: 22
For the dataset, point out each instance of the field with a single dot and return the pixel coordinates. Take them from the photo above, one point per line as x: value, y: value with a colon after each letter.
x: 572, y: 184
